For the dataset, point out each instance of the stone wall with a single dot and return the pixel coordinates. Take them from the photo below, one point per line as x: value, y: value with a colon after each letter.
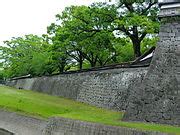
x: 20, y: 124
x: 5, y: 132
x: 23, y: 125
x: 157, y: 98
x: 62, y: 126
x: 106, y: 88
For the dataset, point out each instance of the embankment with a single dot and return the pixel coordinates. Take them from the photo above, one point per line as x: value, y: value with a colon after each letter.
x: 106, y: 88
x: 24, y: 125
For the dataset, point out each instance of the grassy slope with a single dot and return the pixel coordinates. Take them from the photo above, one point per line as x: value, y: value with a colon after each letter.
x: 45, y: 106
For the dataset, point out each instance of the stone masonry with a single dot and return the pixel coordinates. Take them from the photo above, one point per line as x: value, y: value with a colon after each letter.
x: 107, y: 88
x: 157, y: 98
x: 19, y: 124
x: 62, y: 126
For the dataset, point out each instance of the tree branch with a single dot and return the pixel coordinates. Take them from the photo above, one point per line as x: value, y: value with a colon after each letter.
x: 149, y: 6
x: 81, y: 19
x: 129, y: 6
x: 142, y: 36
x: 123, y: 29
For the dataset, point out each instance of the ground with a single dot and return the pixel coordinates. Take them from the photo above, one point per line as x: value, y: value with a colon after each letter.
x: 45, y: 106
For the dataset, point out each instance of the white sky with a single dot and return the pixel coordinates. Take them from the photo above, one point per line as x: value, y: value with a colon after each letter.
x: 21, y: 17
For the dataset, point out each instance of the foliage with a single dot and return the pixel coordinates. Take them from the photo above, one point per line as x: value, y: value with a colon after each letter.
x: 26, y: 55
x: 80, y: 43
x: 125, y: 50
x: 45, y: 106
x: 137, y: 21
x: 147, y: 43
x: 84, y: 37
x: 1, y: 75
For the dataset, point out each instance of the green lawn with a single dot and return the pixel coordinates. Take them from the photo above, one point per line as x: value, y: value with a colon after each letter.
x: 45, y: 106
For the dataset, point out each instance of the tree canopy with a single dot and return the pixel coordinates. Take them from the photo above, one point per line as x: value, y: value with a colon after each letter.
x: 83, y: 37
x: 27, y: 55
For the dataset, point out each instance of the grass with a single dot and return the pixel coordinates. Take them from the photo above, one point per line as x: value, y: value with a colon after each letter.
x: 45, y: 106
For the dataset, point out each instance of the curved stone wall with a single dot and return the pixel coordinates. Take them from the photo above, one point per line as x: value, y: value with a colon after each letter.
x: 106, y: 88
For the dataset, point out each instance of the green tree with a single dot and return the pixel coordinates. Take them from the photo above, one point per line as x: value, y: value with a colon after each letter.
x: 147, y: 43
x: 130, y: 19
x: 26, y: 55
x: 137, y: 21
x: 74, y: 32
x: 65, y: 41
x: 60, y: 57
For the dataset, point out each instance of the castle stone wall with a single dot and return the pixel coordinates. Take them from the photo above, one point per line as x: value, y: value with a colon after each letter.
x: 157, y: 98
x: 106, y: 88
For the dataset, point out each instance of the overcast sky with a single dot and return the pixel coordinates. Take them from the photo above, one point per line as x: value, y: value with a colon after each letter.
x: 20, y: 17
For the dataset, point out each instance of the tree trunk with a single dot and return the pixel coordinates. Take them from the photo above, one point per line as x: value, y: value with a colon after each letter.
x: 136, y: 48
x: 80, y: 64
x: 81, y: 59
x: 61, y: 69
x: 100, y: 62
x: 94, y: 61
x: 93, y: 64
